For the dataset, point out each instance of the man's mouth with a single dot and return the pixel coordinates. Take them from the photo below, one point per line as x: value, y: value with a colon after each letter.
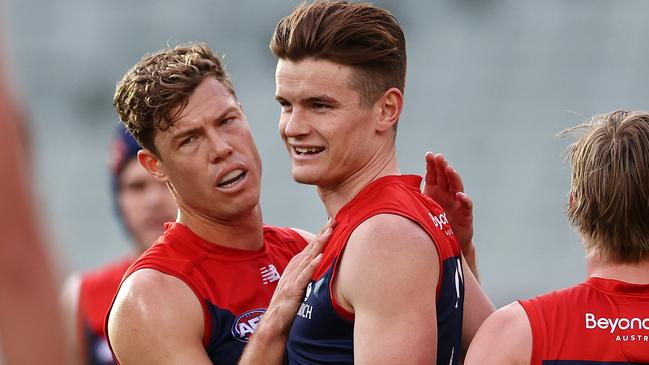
x: 305, y: 151
x: 231, y: 179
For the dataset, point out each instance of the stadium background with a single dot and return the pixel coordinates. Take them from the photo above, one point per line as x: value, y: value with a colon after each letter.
x: 490, y: 83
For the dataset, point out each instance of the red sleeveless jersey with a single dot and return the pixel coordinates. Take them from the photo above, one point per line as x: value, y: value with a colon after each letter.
x: 600, y: 321
x: 96, y: 293
x: 322, y: 332
x: 234, y: 286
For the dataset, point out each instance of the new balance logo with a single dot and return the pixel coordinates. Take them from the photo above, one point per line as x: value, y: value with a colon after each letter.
x: 269, y: 274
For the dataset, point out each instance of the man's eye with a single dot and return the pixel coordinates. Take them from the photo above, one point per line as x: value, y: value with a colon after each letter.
x: 285, y: 106
x: 187, y: 140
x: 321, y: 106
x: 227, y: 121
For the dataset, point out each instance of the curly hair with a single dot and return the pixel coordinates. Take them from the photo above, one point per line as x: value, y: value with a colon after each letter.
x: 154, y: 92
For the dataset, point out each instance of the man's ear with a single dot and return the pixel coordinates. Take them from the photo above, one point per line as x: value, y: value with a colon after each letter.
x: 390, y: 105
x: 151, y: 164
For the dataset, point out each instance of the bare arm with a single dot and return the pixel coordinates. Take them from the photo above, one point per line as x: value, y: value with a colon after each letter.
x: 268, y: 344
x: 157, y: 319
x: 28, y: 314
x: 505, y: 338
x: 477, y: 307
x: 444, y: 185
x: 387, y: 278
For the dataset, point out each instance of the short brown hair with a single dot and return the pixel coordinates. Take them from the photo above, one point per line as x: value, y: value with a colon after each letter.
x: 610, y: 185
x: 360, y: 35
x: 154, y: 92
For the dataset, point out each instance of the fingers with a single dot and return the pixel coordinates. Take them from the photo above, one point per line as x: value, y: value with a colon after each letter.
x: 454, y: 180
x: 299, y: 270
x: 444, y: 184
x: 466, y: 202
x: 305, y: 275
x: 317, y: 244
x: 440, y: 170
x: 319, y: 241
x: 447, y: 177
x: 431, y: 172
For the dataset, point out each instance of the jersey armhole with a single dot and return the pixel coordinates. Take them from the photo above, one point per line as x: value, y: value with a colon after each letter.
x: 537, y: 325
x: 440, y: 254
x: 431, y: 235
x: 342, y: 312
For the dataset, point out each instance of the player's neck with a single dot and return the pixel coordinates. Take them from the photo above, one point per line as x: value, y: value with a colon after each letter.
x: 244, y: 233
x: 337, y: 195
x: 636, y: 273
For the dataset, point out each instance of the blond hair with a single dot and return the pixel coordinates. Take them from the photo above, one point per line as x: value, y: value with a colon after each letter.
x: 610, y: 185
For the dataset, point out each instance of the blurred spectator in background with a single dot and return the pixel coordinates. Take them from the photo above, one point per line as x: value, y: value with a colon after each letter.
x: 143, y: 205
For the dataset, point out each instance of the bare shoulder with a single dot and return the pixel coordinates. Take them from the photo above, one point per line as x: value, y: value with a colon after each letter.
x: 147, y: 293
x: 387, y: 277
x: 153, y: 311
x: 391, y: 232
x: 387, y: 241
x: 504, y: 338
x: 308, y: 236
x: 391, y: 248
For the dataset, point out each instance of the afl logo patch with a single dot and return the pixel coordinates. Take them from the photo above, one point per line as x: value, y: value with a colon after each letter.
x: 244, y: 325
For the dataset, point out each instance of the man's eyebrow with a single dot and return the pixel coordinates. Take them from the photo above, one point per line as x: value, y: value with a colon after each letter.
x: 226, y: 111
x: 186, y: 132
x: 321, y: 98
x: 311, y: 99
x: 178, y: 135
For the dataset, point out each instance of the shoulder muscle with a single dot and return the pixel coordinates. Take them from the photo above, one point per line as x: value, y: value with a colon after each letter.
x: 387, y: 277
x: 504, y: 338
x: 155, y: 317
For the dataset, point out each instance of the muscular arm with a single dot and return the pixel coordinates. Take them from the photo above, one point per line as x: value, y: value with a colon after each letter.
x: 157, y: 319
x: 444, y: 184
x: 387, y: 278
x: 505, y: 338
x: 477, y: 307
